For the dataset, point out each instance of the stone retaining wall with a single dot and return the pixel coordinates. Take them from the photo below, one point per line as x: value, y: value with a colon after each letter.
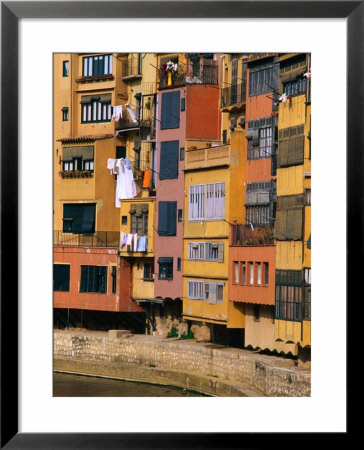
x: 272, y: 376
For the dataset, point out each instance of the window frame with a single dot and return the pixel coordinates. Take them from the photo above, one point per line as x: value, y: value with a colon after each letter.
x: 99, y: 281
x: 65, y: 68
x: 168, y: 266
x: 93, y: 58
x: 204, y: 198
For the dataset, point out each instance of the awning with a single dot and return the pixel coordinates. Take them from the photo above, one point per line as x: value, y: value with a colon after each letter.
x: 85, y: 152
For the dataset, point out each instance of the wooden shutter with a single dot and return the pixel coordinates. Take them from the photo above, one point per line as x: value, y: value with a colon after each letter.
x: 291, y: 146
x: 289, y: 217
x: 169, y: 160
x: 167, y: 218
x: 220, y: 252
x: 212, y: 293
x: 170, y: 110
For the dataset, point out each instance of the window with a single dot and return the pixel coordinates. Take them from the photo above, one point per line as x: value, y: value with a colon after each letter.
x: 243, y: 273
x: 148, y: 271
x: 236, y: 272
x: 289, y: 223
x: 78, y: 158
x: 183, y: 104
x: 258, y: 215
x: 94, y: 279
x: 259, y: 273
x: 170, y: 110
x: 307, y: 295
x: 113, y: 275
x: 214, y: 251
x: 120, y: 151
x: 194, y: 289
x: 260, y: 138
x: 96, y: 108
x: 224, y: 137
x: 207, y: 201
x: 289, y: 295
x: 261, y: 79
x: 168, y: 168
x: 291, y: 146
x: 179, y: 263
x: 167, y: 215
x: 65, y: 114
x: 61, y: 277
x: 180, y: 215
x: 165, y: 268
x: 266, y: 273
x: 97, y: 66
x: 295, y: 87
x: 66, y: 66
x: 251, y: 273
x: 213, y: 292
x: 79, y: 218
x: 124, y: 220
x: 182, y: 154
x: 308, y: 197
x: 139, y: 219
x: 195, y: 250
x: 259, y: 203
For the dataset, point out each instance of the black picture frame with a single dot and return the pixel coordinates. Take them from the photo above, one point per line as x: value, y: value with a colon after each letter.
x: 11, y: 12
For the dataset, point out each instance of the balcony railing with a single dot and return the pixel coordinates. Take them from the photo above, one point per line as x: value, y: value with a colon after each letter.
x: 245, y: 235
x: 145, y: 118
x: 233, y: 95
x: 206, y: 72
x: 96, y: 239
x: 207, y: 157
x: 131, y: 69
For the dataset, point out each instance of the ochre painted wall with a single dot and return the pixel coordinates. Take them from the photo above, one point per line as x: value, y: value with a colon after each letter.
x: 289, y: 255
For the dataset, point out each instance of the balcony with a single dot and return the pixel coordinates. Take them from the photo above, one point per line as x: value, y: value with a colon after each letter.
x: 131, y: 70
x: 76, y: 173
x: 246, y: 235
x: 233, y: 95
x: 144, y: 121
x: 96, y: 239
x: 207, y: 157
x: 204, y: 72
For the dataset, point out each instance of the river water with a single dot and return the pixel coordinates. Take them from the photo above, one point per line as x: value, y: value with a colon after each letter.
x: 68, y: 385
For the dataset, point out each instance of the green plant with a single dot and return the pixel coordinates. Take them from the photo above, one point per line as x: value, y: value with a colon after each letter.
x: 189, y: 335
x: 173, y: 333
x: 152, y: 365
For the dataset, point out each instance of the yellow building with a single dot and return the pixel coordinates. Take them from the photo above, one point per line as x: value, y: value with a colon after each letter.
x: 213, y: 200
x: 293, y: 223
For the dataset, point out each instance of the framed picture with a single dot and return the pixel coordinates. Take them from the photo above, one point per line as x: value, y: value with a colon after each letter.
x: 26, y: 316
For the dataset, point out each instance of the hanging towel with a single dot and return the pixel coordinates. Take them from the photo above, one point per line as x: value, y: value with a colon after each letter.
x: 129, y: 239
x: 142, y: 244
x: 131, y: 113
x: 110, y: 165
x: 127, y: 163
x: 123, y: 239
x: 146, y: 178
x: 169, y: 78
x: 283, y: 97
x: 117, y: 113
x: 135, y: 236
x: 308, y: 74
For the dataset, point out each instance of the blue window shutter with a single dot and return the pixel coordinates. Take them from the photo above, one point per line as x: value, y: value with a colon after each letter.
x: 167, y: 218
x: 82, y: 218
x: 169, y: 160
x: 170, y: 110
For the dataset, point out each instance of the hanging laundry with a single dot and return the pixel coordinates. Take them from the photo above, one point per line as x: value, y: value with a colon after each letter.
x: 283, y: 98
x: 164, y: 69
x: 169, y: 78
x: 135, y: 237
x: 131, y: 113
x: 146, y: 178
x: 307, y: 74
x: 142, y: 244
x: 117, y: 113
x: 127, y: 163
x: 110, y: 165
x: 124, y: 237
x: 129, y: 239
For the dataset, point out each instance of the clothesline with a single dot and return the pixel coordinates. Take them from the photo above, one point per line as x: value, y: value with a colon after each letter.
x: 137, y: 243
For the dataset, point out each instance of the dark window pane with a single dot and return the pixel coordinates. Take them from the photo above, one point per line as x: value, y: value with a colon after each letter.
x: 61, y: 277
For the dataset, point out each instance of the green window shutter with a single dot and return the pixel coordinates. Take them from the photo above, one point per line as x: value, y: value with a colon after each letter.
x: 168, y: 169
x: 170, y: 110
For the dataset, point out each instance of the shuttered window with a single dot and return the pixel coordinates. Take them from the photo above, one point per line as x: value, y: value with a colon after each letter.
x: 214, y: 251
x: 289, y: 289
x: 170, y: 110
x: 167, y: 218
x: 207, y: 201
x: 94, y: 279
x: 261, y: 78
x: 195, y: 290
x: 291, y: 146
x: 96, y: 108
x: 79, y: 218
x: 289, y: 217
x: 168, y: 168
x: 213, y: 292
x: 139, y: 219
x: 196, y: 250
x: 61, y: 277
x: 260, y: 138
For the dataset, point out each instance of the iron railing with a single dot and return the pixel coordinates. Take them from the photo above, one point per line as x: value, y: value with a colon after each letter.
x: 96, y: 239
x: 205, y: 73
x: 131, y: 68
x: 233, y: 94
x: 245, y: 235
